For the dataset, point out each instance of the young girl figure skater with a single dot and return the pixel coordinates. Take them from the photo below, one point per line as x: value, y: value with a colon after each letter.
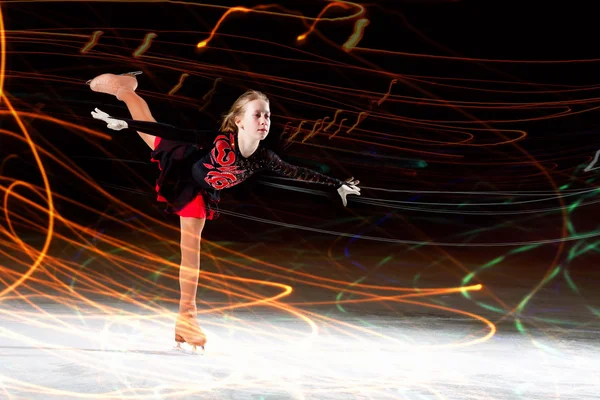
x: 194, y: 166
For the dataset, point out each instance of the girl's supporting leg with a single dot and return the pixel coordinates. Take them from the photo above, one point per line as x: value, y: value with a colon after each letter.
x: 187, y: 329
x: 191, y: 232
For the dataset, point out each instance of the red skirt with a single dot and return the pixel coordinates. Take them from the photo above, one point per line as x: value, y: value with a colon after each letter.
x: 185, y: 200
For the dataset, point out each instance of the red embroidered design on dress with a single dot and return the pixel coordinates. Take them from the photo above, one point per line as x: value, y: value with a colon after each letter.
x: 222, y: 156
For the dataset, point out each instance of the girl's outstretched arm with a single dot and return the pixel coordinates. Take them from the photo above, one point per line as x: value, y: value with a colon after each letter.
x: 276, y: 164
x: 162, y: 130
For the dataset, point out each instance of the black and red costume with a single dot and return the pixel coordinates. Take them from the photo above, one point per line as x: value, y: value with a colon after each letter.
x: 195, y: 166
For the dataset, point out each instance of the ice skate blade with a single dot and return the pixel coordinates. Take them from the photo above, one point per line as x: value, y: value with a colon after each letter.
x: 134, y: 73
x: 187, y: 349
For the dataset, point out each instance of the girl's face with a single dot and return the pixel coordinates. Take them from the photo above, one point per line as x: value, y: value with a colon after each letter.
x: 255, y: 122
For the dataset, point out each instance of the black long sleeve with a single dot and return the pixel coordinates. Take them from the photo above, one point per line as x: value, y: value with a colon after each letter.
x: 276, y: 164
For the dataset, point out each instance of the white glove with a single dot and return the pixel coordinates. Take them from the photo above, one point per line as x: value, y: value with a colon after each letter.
x: 349, y: 187
x: 115, y: 124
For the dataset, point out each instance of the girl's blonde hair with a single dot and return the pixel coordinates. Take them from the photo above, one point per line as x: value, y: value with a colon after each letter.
x: 238, y: 107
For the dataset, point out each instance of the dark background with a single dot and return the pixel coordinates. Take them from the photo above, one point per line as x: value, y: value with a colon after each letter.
x: 45, y: 73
